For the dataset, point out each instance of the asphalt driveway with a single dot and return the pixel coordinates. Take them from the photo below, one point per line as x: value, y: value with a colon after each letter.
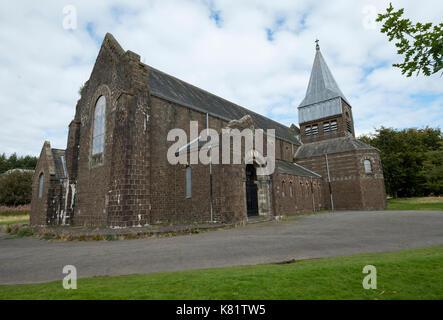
x: 29, y: 260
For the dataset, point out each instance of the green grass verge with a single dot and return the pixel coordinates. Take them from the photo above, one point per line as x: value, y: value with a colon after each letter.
x: 13, y: 219
x: 411, y: 274
x: 428, y: 203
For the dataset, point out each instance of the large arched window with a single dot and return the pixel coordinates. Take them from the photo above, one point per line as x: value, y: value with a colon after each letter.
x: 98, y: 137
x: 41, y: 181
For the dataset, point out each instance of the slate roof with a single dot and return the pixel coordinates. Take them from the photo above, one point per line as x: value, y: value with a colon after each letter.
x: 58, y: 156
x: 329, y: 146
x: 175, y: 90
x: 322, y: 85
x: 295, y: 169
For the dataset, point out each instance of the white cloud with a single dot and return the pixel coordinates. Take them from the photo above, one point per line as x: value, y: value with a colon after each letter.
x: 44, y: 65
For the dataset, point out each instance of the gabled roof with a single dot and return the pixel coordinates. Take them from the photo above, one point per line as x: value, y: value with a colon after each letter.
x: 322, y: 85
x: 175, y: 90
x: 337, y: 145
x: 56, y: 161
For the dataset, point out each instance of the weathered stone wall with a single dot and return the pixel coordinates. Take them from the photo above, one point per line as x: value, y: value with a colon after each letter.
x: 352, y: 188
x: 307, y: 194
x: 48, y: 209
x: 39, y: 206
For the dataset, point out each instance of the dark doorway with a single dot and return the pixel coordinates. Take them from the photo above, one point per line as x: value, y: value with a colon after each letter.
x: 251, y: 191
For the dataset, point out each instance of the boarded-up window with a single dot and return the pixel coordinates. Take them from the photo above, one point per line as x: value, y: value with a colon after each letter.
x: 98, y: 139
x: 368, y: 166
x: 334, y: 125
x: 188, y: 183
x: 41, y: 181
x: 308, y: 131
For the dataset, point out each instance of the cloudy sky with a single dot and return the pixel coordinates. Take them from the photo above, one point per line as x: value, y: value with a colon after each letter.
x: 255, y: 53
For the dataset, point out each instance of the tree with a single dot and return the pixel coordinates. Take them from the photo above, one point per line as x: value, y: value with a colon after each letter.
x: 422, y: 44
x: 16, y: 188
x: 15, y: 162
x: 412, y: 160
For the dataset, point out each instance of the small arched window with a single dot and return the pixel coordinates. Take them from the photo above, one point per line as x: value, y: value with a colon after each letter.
x: 283, y: 189
x: 290, y: 189
x: 41, y: 181
x: 368, y: 166
x: 98, y: 138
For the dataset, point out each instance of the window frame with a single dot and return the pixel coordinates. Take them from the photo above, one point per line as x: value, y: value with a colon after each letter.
x: 326, y: 127
x: 367, y: 161
x: 41, y: 184
x: 188, y: 182
x: 314, y: 129
x: 283, y: 189
x: 97, y: 155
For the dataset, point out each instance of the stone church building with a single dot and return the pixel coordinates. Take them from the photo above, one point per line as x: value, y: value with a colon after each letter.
x: 115, y: 172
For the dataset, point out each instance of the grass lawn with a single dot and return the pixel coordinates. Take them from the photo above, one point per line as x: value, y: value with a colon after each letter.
x: 14, y: 217
x: 427, y: 203
x: 411, y: 274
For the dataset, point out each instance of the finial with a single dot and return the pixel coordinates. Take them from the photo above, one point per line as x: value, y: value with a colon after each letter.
x: 317, y: 47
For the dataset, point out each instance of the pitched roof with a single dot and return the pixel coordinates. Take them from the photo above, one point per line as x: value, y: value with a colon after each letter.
x: 322, y: 85
x: 295, y: 169
x: 329, y: 146
x: 175, y: 90
x: 59, y: 159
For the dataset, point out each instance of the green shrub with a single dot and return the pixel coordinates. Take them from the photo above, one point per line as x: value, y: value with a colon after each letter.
x: 16, y: 188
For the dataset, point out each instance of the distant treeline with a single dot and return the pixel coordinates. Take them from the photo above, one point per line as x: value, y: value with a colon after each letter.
x: 412, y: 160
x: 14, y: 162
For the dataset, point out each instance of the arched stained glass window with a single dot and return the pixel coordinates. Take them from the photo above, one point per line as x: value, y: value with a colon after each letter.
x: 98, y: 138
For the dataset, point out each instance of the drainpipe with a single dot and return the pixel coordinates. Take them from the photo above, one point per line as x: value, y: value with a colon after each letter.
x: 210, y: 184
x: 313, y: 199
x: 329, y: 182
x: 210, y: 170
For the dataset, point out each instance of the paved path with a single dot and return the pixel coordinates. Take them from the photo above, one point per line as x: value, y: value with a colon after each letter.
x: 29, y: 260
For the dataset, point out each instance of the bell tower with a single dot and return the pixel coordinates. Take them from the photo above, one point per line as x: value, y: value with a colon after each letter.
x: 324, y: 113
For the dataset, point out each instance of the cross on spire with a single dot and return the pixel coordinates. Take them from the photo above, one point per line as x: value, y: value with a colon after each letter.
x: 317, y: 47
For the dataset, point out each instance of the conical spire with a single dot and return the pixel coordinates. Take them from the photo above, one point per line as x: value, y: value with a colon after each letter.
x: 322, y: 85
